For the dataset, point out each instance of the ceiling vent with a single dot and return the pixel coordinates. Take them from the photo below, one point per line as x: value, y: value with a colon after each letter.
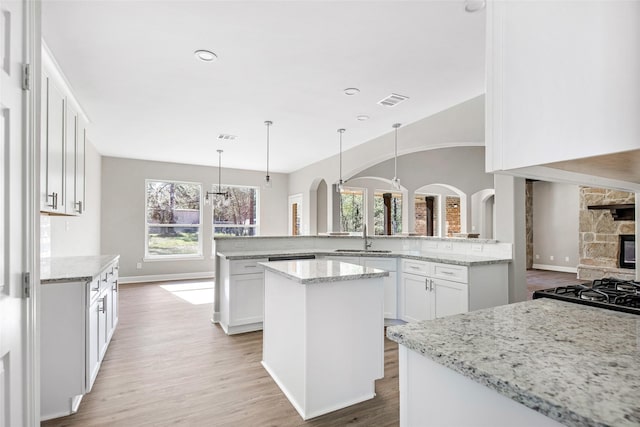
x: 392, y: 100
x: 226, y: 137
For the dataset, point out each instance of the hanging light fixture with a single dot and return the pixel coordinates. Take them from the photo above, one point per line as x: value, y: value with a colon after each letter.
x: 219, y: 192
x: 395, y: 182
x: 267, y: 179
x: 340, y: 186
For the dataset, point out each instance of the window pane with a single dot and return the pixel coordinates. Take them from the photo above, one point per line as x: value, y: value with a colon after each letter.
x: 351, y: 210
x: 234, y: 231
x: 173, y: 240
x: 173, y: 203
x: 240, y: 208
x: 395, y: 213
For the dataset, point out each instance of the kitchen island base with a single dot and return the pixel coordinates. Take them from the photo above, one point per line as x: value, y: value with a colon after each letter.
x: 432, y: 394
x: 323, y: 342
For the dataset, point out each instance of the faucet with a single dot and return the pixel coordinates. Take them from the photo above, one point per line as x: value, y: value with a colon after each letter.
x: 367, y: 243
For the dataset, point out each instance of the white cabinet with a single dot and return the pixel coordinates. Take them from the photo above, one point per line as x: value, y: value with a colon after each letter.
x: 559, y: 81
x: 431, y: 290
x: 53, y: 148
x: 77, y: 322
x: 63, y: 139
x: 241, y: 295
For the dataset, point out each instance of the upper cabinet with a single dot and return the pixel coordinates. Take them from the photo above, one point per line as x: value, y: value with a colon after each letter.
x: 63, y: 139
x: 563, y: 79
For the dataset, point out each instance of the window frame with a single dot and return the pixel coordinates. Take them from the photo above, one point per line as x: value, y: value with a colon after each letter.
x: 393, y: 192
x: 364, y: 191
x: 172, y: 257
x: 256, y: 226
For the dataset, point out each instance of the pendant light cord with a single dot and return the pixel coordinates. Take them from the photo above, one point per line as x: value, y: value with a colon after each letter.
x: 219, y: 171
x: 268, y: 123
x: 395, y: 155
x: 341, y: 131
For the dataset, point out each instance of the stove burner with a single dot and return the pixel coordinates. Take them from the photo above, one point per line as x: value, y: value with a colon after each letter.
x: 593, y: 295
x: 628, y: 287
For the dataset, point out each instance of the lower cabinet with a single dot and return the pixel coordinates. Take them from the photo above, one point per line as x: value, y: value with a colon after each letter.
x: 78, y: 320
x: 241, y: 296
x: 431, y: 290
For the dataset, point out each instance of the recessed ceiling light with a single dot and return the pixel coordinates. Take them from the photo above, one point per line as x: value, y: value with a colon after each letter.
x: 362, y: 117
x: 205, y: 55
x: 351, y: 91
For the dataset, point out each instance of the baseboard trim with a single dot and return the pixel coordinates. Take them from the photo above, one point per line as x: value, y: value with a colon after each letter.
x: 166, y: 277
x: 555, y: 268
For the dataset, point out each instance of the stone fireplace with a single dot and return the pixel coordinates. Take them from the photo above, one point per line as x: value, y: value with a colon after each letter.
x: 599, y: 244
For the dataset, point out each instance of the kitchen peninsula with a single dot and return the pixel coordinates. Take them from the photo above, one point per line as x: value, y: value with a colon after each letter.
x: 535, y: 363
x: 428, y: 277
x: 322, y: 341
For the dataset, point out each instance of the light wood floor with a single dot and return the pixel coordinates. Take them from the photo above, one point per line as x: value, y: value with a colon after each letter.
x: 167, y: 364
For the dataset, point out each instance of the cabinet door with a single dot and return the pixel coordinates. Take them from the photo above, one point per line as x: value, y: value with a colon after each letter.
x: 53, y: 163
x: 390, y: 296
x: 450, y: 297
x: 102, y: 324
x: 93, y: 344
x: 71, y: 131
x: 416, y: 299
x: 246, y: 299
x: 114, y: 305
x: 80, y: 196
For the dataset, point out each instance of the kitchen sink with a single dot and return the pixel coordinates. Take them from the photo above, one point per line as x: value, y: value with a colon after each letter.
x: 375, y: 251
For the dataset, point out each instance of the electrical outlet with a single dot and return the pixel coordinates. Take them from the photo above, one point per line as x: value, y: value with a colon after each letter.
x: 476, y: 247
x: 66, y: 226
x: 566, y: 259
x: 537, y: 256
x: 446, y: 245
x: 551, y: 258
x: 139, y: 265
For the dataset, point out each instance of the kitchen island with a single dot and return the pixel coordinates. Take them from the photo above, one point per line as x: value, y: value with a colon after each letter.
x: 323, y: 342
x: 536, y: 363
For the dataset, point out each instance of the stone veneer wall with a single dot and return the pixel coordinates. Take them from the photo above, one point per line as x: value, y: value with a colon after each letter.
x: 529, y: 222
x: 599, y: 241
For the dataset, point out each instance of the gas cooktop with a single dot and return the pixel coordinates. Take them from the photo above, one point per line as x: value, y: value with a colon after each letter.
x: 610, y: 293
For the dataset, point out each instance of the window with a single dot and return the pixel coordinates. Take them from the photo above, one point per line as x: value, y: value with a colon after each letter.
x: 387, y: 208
x: 237, y: 214
x: 173, y: 219
x: 426, y: 214
x: 352, y: 210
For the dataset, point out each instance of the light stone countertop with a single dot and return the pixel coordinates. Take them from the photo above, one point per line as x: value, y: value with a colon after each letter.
x: 441, y: 257
x: 73, y: 269
x: 577, y: 364
x: 322, y: 271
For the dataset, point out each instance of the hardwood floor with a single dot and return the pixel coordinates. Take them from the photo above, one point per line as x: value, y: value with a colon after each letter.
x: 542, y: 279
x: 168, y: 365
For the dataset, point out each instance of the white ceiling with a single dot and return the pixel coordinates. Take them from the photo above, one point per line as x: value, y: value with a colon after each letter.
x: 132, y: 68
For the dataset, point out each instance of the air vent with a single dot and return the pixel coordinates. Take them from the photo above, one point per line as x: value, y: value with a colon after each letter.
x: 226, y: 137
x: 392, y: 100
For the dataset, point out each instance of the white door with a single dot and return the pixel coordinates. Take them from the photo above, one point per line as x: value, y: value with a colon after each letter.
x: 416, y: 300
x: 18, y: 401
x: 450, y: 297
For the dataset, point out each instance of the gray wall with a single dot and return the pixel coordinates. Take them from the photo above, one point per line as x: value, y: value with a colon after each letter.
x: 556, y: 210
x: 123, y: 219
x: 80, y: 235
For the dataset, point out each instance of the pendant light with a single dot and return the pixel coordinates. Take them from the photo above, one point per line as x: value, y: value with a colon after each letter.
x: 395, y: 182
x: 219, y: 192
x: 340, y: 186
x: 267, y: 179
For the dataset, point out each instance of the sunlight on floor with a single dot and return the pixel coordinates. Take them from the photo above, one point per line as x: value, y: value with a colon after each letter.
x: 195, y: 293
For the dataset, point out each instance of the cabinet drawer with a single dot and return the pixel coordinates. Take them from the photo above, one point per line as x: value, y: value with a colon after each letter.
x: 415, y: 267
x: 455, y: 273
x: 248, y: 266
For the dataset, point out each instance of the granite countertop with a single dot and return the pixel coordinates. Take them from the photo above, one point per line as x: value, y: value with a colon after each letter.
x: 322, y: 271
x: 457, y: 259
x: 73, y: 269
x: 577, y: 364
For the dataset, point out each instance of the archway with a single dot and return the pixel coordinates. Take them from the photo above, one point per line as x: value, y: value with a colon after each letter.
x: 440, y: 209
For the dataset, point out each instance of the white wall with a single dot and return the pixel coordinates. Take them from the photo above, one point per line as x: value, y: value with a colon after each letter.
x: 556, y: 219
x: 78, y: 235
x: 123, y: 201
x: 461, y: 125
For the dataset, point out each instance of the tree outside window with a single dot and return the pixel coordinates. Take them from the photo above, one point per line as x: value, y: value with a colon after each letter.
x: 173, y: 219
x: 351, y: 210
x: 394, y: 213
x: 237, y: 213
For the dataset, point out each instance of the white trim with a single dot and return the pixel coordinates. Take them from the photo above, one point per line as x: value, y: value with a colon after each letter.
x: 166, y: 277
x: 555, y: 268
x: 162, y: 258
